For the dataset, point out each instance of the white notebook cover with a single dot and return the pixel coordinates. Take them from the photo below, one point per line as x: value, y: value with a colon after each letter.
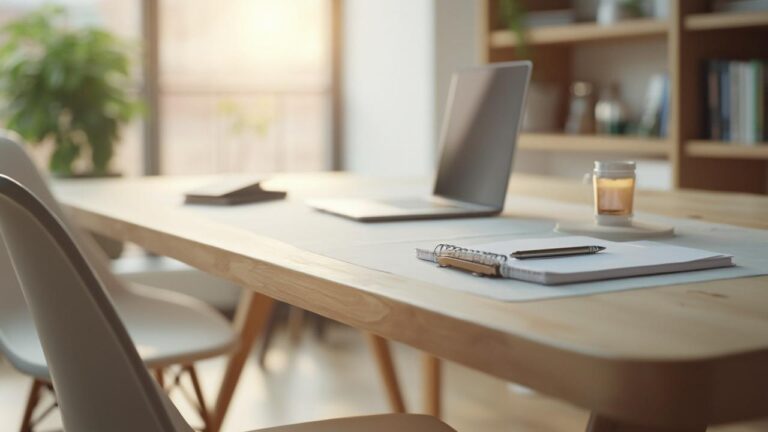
x: 618, y: 260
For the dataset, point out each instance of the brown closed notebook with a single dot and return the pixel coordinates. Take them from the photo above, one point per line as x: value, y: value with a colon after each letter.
x: 232, y: 192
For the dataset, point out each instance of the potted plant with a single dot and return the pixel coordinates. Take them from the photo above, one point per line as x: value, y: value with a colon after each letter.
x: 512, y: 14
x: 65, y: 86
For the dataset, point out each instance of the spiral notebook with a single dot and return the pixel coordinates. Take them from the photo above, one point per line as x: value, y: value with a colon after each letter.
x: 618, y: 260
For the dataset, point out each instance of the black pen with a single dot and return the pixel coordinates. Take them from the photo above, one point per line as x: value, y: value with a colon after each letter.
x: 556, y: 252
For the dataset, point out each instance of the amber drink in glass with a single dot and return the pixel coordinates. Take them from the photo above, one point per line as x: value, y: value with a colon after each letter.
x: 614, y: 190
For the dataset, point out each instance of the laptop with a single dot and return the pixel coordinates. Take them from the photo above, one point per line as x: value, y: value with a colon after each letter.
x: 483, y: 114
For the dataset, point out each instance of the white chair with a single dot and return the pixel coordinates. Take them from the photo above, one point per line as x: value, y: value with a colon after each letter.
x: 168, y: 329
x: 100, y: 380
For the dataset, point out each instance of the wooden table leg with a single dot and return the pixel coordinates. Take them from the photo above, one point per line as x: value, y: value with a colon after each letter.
x: 383, y: 355
x: 432, y: 370
x: 599, y: 423
x: 251, y: 316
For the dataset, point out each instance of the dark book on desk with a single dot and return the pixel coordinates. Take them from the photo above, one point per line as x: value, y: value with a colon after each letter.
x: 232, y: 192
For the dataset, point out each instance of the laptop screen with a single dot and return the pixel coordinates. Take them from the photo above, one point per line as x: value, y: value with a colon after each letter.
x: 483, y: 113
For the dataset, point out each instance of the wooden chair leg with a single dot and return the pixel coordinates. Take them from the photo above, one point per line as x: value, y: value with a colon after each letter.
x: 295, y: 323
x: 202, y: 407
x: 321, y: 323
x: 160, y: 377
x: 32, y: 401
x: 269, y: 333
x: 598, y: 423
x: 432, y: 370
x: 250, y: 318
x: 383, y: 356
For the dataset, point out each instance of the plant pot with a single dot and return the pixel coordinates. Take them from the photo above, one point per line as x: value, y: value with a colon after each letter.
x: 90, y: 175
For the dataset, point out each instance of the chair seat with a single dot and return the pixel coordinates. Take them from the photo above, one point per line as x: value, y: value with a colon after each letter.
x: 375, y: 423
x: 168, y: 328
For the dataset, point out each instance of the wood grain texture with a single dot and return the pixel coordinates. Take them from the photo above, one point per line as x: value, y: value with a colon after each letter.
x: 383, y: 355
x: 250, y: 318
x: 688, y: 50
x: 602, y: 424
x: 581, y: 32
x: 726, y: 20
x: 433, y: 385
x: 674, y: 356
x: 742, y: 209
x: 726, y: 150
x: 594, y: 143
x: 693, y: 35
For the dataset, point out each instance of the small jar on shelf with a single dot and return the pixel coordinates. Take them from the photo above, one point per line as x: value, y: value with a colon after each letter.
x: 611, y: 115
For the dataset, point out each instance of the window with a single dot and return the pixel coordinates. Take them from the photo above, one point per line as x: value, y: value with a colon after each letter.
x: 244, y: 86
x: 124, y: 19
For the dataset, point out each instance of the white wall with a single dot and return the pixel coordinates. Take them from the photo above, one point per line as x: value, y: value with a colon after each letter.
x: 458, y: 44
x: 397, y: 63
x: 399, y: 56
x: 388, y: 87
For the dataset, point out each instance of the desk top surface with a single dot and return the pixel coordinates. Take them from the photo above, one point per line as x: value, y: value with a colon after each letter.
x: 604, y: 344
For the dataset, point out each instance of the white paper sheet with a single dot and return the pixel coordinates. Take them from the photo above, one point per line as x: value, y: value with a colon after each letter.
x: 389, y: 247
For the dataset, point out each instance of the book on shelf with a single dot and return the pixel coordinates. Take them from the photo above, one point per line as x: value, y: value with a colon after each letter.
x: 739, y: 5
x: 736, y: 93
x: 653, y: 121
x: 548, y: 18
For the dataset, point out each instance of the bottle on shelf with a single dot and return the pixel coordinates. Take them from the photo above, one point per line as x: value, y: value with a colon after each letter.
x: 581, y: 117
x: 610, y: 112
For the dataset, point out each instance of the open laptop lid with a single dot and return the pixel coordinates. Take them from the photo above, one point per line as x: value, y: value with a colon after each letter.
x: 483, y: 114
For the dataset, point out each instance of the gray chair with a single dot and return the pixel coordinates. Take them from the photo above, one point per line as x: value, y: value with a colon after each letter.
x: 170, y: 330
x: 101, y: 382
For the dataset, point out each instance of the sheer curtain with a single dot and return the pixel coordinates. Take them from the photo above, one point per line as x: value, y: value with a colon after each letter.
x: 244, y: 85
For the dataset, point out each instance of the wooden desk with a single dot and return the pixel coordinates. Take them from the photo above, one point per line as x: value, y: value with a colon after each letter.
x: 678, y: 357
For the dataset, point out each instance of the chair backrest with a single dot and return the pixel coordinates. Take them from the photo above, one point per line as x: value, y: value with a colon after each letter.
x: 100, y: 381
x: 16, y: 163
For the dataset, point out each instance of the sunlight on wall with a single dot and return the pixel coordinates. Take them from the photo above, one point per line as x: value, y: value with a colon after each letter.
x: 244, y: 85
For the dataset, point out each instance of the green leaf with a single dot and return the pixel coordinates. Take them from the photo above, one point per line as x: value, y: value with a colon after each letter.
x: 69, y: 84
x: 512, y: 14
x: 64, y: 157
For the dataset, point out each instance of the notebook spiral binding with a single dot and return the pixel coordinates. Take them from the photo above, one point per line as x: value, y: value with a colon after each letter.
x: 471, y: 255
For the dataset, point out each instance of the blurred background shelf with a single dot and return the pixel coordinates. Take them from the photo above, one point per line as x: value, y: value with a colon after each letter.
x: 582, y: 32
x: 726, y: 150
x: 614, y: 145
x: 624, y: 58
x: 726, y: 20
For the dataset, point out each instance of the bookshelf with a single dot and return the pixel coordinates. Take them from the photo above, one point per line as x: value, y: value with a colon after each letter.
x: 719, y: 150
x: 653, y: 148
x: 692, y: 34
x: 582, y: 32
x: 718, y: 21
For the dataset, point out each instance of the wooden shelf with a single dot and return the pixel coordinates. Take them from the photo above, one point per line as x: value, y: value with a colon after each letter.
x: 582, y: 32
x: 726, y: 150
x: 691, y: 35
x: 726, y: 20
x: 597, y: 144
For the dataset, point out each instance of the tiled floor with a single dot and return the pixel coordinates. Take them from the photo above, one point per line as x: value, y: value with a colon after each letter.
x: 314, y: 380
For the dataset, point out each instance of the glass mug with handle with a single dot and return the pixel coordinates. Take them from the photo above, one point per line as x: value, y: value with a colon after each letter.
x: 614, y: 192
